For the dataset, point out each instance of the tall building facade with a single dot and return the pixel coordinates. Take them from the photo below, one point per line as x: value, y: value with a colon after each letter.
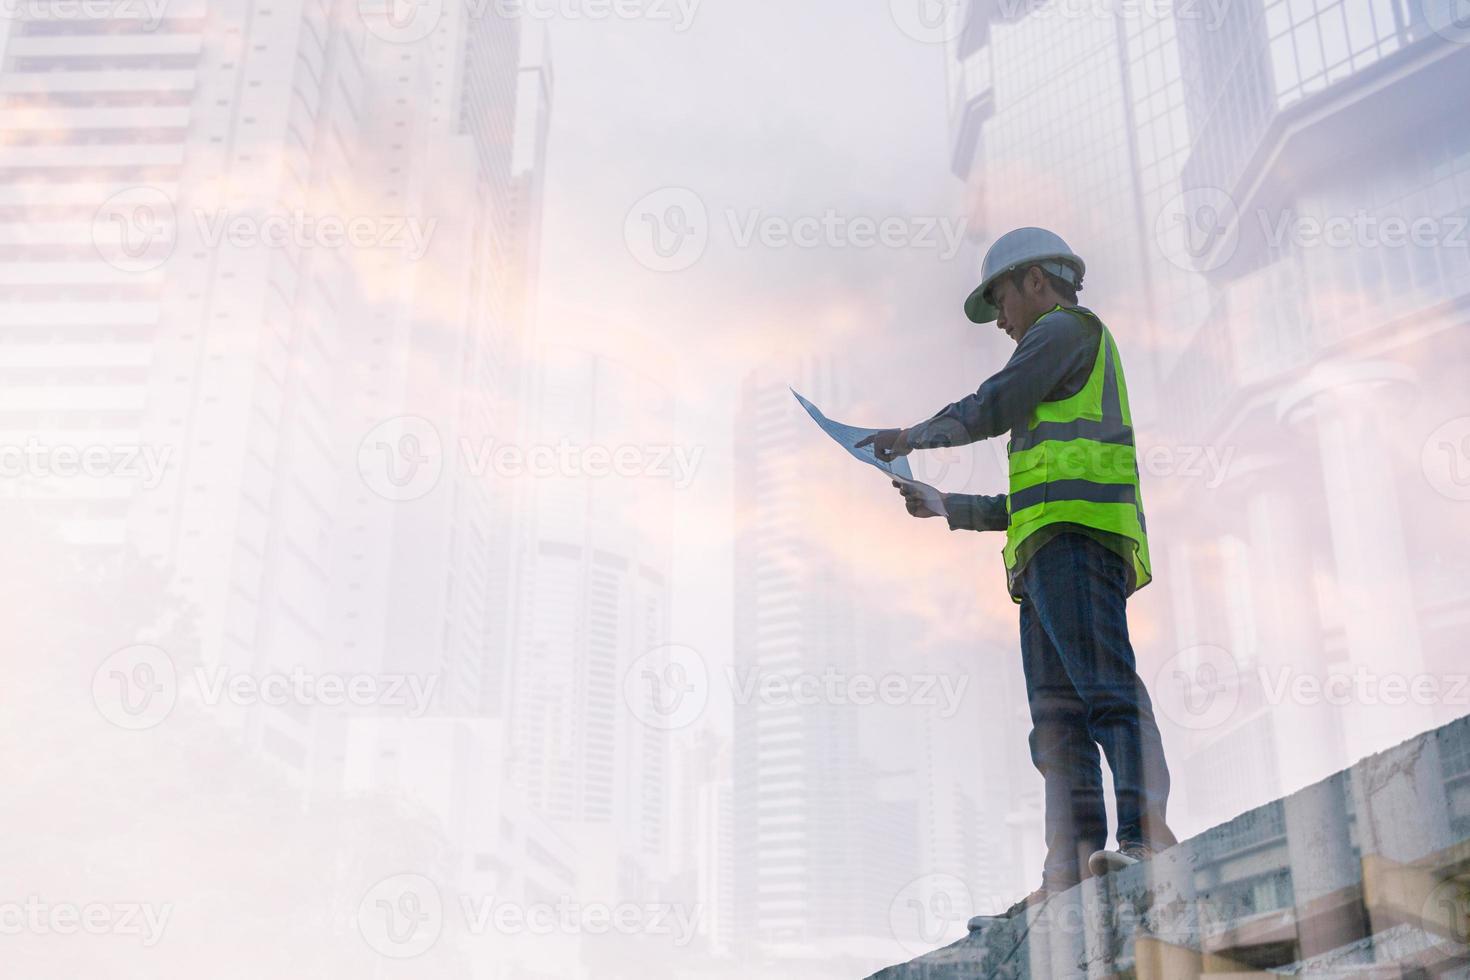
x: 233, y: 247
x: 1194, y: 154
x: 702, y: 834
x: 822, y: 829
x: 594, y: 599
x: 1328, y: 355
x: 151, y: 310
x: 1073, y: 115
x: 446, y: 359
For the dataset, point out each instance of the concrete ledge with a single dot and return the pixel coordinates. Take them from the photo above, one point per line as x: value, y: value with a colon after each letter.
x: 1372, y: 881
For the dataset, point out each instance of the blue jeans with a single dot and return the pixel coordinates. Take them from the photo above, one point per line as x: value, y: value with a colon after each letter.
x: 1084, y: 691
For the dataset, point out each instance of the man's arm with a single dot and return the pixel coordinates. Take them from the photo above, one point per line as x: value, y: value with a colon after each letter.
x: 965, y: 512
x: 1053, y: 348
x: 976, y: 513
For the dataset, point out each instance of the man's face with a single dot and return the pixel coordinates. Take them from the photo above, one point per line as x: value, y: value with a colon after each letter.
x: 1014, y: 305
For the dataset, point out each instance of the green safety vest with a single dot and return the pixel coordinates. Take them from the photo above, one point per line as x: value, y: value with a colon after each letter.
x: 1075, y: 463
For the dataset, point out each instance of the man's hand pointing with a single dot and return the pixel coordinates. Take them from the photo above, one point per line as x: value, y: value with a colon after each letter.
x: 888, y: 444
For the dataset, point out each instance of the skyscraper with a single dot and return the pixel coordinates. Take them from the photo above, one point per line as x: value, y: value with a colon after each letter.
x: 594, y: 597
x: 1072, y: 116
x: 445, y: 359
x: 165, y: 296
x: 1239, y: 172
x: 820, y: 828
x: 1330, y: 349
x: 237, y: 246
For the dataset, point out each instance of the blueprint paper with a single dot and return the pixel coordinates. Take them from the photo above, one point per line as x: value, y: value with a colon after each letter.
x: 848, y: 436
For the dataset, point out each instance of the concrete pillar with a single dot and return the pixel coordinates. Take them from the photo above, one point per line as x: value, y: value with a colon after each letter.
x: 1272, y: 498
x: 1403, y: 826
x: 1324, y: 869
x: 1057, y: 943
x: 1403, y: 813
x: 1349, y: 409
x: 1266, y: 495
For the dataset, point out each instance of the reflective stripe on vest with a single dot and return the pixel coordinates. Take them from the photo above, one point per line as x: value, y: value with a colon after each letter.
x: 1075, y: 462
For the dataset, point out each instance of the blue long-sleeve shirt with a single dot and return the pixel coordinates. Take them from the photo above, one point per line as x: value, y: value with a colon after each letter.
x: 1053, y: 361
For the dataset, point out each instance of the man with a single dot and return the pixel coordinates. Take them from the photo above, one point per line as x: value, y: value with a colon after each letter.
x: 1076, y: 548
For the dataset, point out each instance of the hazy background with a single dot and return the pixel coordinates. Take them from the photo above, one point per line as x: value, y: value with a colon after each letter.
x: 418, y: 565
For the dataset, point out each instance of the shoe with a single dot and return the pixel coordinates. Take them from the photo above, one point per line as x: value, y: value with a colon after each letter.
x: 1126, y: 856
x: 1037, y: 897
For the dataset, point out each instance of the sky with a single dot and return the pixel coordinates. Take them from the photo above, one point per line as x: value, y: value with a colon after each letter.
x: 769, y: 113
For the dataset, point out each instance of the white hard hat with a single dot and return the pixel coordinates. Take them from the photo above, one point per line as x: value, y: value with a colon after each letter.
x: 1021, y: 249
